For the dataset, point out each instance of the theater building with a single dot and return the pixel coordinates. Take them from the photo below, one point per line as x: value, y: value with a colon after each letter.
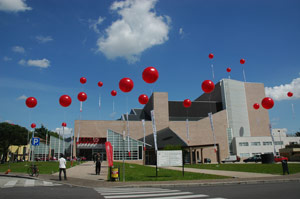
x: 233, y: 119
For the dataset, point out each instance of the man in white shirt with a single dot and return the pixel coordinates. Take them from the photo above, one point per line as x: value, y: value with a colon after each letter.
x: 62, y: 167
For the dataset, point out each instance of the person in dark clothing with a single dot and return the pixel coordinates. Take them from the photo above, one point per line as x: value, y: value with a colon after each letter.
x: 98, y: 164
x: 285, y: 168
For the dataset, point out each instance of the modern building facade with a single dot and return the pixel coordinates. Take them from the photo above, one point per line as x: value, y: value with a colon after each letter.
x: 233, y: 121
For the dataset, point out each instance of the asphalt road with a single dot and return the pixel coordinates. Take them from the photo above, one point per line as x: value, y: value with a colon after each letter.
x: 288, y: 190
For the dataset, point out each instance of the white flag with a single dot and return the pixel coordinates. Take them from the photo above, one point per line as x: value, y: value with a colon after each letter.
x: 187, y: 130
x: 154, y: 129
x: 143, y: 122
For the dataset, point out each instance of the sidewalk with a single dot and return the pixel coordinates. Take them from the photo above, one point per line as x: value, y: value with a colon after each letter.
x: 83, y: 175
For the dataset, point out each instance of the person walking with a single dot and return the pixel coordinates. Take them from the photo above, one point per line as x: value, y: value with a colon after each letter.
x: 62, y: 167
x: 98, y: 164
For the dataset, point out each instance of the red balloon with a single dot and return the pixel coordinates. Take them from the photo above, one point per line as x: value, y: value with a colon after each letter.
x: 267, y: 103
x: 187, y: 103
x: 143, y: 99
x: 256, y: 106
x: 208, y: 86
x: 113, y: 93
x: 211, y: 56
x: 150, y: 75
x: 33, y: 125
x: 65, y: 100
x: 64, y: 124
x: 31, y: 102
x: 228, y: 69
x: 83, y: 80
x: 100, y: 84
x: 82, y: 96
x: 290, y: 94
x: 126, y: 84
x: 242, y: 61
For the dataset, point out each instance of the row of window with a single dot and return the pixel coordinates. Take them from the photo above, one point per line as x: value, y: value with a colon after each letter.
x: 259, y: 143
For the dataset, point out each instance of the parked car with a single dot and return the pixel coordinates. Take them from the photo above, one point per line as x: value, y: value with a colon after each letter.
x: 278, y: 158
x: 231, y: 158
x: 256, y: 158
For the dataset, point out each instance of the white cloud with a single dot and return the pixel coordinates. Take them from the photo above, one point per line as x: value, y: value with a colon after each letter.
x: 18, y: 49
x: 67, y: 131
x: 280, y: 92
x: 5, y: 58
x: 94, y: 24
x: 13, y: 5
x: 42, y: 39
x: 22, y: 97
x: 42, y: 63
x: 181, y: 31
x: 138, y: 29
x: 22, y: 62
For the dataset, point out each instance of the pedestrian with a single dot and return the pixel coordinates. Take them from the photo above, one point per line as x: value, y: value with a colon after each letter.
x: 285, y: 168
x: 98, y: 164
x: 62, y: 167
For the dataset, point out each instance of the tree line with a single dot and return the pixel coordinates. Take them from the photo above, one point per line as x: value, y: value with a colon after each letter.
x: 13, y: 134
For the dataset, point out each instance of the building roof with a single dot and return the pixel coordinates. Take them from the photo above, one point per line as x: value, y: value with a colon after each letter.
x: 164, y: 137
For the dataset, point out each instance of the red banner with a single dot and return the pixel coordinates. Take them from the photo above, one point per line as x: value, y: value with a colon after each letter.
x: 109, y: 154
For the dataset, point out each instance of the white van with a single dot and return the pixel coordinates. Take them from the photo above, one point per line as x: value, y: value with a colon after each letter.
x: 231, y: 158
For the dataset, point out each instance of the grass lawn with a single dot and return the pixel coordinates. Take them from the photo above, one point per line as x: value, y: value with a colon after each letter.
x: 134, y: 172
x: 255, y: 168
x: 44, y: 167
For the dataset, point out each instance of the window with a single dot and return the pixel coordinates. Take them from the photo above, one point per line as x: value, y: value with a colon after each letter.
x: 243, y: 144
x: 255, y: 143
x: 278, y: 142
x: 254, y: 154
x: 267, y: 143
x: 245, y: 155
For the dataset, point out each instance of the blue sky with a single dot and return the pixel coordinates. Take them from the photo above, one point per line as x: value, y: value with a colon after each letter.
x: 46, y: 46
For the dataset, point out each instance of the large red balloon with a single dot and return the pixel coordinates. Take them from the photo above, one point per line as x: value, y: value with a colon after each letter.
x: 65, y: 100
x: 290, y: 94
x: 33, y: 125
x: 83, y: 80
x: 208, y: 86
x: 126, y: 84
x: 31, y: 102
x: 187, y: 103
x: 143, y: 99
x: 228, y: 69
x: 267, y: 103
x: 100, y: 84
x: 256, y: 106
x: 150, y: 75
x: 64, y: 124
x: 82, y: 96
x: 242, y: 61
x: 211, y: 56
x: 113, y: 93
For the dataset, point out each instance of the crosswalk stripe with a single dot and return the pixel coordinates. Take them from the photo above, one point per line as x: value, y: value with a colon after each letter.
x: 148, y: 195
x: 136, y: 192
x: 29, y: 183
x: 181, y: 197
x: 47, y: 183
x: 11, y: 183
x: 127, y: 189
x: 216, y: 198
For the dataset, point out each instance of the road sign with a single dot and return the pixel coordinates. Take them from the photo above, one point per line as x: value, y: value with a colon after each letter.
x: 35, y: 141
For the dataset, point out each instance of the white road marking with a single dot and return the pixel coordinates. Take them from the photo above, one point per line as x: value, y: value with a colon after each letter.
x: 182, y: 197
x: 11, y: 183
x: 149, y: 195
x: 29, y: 183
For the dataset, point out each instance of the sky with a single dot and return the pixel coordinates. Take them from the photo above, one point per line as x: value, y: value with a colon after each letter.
x: 47, y: 46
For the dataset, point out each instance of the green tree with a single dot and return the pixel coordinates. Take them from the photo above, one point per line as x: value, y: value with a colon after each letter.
x: 43, y: 131
x: 11, y: 135
x: 297, y: 134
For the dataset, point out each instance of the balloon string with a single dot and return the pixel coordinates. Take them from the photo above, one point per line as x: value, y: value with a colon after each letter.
x: 79, y: 128
x: 99, y: 106
x: 80, y: 106
x: 244, y: 74
x: 212, y: 69
x: 293, y: 110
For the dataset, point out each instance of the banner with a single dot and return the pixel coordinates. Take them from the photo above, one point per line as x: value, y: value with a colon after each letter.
x: 213, y: 130
x: 109, y: 154
x: 143, y: 122
x: 154, y: 129
x: 187, y: 130
x: 128, y: 134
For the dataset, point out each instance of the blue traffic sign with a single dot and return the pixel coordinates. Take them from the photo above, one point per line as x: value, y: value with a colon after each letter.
x: 35, y: 141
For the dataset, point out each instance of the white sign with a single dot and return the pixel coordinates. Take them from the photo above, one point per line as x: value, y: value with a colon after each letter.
x: 169, y: 158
